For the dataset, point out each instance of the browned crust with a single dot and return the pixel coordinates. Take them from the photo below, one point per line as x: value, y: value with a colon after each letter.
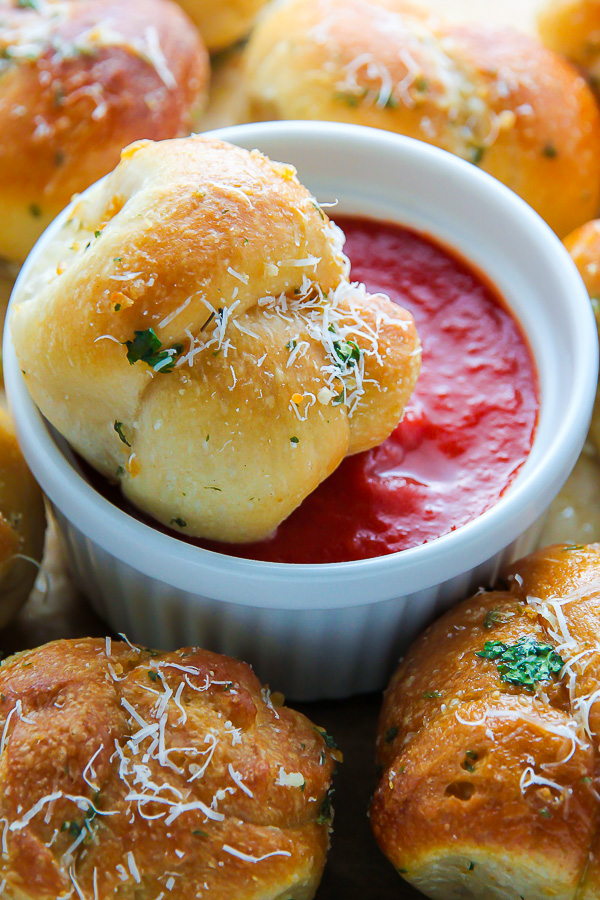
x: 70, y: 702
x: 103, y: 75
x: 489, y: 94
x: 458, y: 745
x: 239, y: 432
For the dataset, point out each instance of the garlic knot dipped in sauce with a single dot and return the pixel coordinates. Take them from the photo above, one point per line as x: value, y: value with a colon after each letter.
x: 202, y: 343
x: 80, y: 79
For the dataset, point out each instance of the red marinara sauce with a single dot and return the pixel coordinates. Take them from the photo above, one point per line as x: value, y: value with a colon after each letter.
x: 466, y: 431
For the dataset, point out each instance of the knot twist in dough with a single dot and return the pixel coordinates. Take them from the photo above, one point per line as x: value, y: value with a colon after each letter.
x: 192, y: 332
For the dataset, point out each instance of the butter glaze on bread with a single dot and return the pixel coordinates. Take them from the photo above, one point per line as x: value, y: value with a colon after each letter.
x: 489, y: 790
x: 132, y: 773
x: 491, y: 95
x: 242, y: 276
x: 22, y: 524
x: 222, y: 22
x: 80, y: 79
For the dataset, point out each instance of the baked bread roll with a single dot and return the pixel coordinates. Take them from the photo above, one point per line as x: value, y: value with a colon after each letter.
x: 195, y: 315
x: 132, y: 773
x: 222, y: 22
x: 488, y: 740
x: 584, y: 246
x: 80, y: 79
x: 22, y: 525
x: 491, y: 95
x: 572, y: 27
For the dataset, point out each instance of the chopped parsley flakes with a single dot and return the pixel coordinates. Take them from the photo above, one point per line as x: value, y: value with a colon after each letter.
x: 525, y: 663
x: 326, y: 812
x: 493, y: 617
x: 347, y: 351
x: 118, y: 426
x: 146, y: 346
x: 391, y: 734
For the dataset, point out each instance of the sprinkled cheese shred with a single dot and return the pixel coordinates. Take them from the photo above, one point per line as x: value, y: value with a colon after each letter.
x: 238, y: 780
x: 168, y: 319
x: 246, y: 857
x: 152, y: 53
x: 179, y: 808
x: 240, y: 276
x: 289, y: 779
x: 301, y: 263
x: 133, y: 868
x: 127, y: 641
x: 90, y: 768
x: 529, y: 778
x: 78, y: 890
x: 106, y: 337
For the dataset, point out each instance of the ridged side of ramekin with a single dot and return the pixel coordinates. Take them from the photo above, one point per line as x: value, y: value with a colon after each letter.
x: 292, y: 650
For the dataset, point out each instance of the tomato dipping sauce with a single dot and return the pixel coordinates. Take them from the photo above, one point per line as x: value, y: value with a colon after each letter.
x: 466, y: 431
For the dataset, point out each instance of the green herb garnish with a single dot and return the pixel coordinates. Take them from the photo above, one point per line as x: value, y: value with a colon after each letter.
x: 432, y: 695
x: 550, y: 151
x: 294, y: 439
x: 493, y: 617
x: 391, y: 734
x: 178, y: 521
x: 118, y: 426
x: 147, y: 347
x: 477, y: 154
x: 329, y: 741
x: 35, y: 210
x: 347, y: 351
x: 152, y: 675
x: 326, y: 812
x: 524, y: 663
x: 348, y: 98
x: 291, y: 345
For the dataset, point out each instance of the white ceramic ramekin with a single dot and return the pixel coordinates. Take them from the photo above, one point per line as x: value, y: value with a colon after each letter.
x: 317, y: 631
